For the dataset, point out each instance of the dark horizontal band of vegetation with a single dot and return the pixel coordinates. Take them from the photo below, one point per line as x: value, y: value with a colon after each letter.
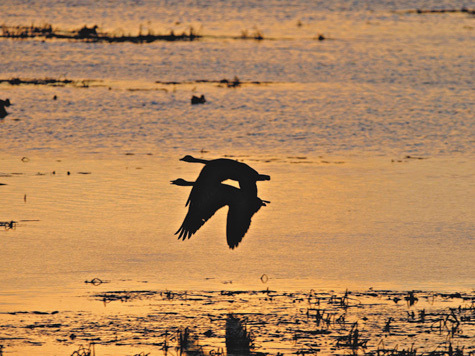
x: 91, y: 34
x: 236, y: 82
x: 48, y: 81
x: 438, y: 11
x: 85, y: 83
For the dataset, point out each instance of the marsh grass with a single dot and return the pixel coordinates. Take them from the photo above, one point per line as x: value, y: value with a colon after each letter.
x: 90, y: 34
x: 31, y: 31
x: 200, y: 323
x: 55, y: 82
x: 188, y: 343
x: 124, y: 296
x: 353, y: 340
x: 85, y: 351
x: 239, y: 341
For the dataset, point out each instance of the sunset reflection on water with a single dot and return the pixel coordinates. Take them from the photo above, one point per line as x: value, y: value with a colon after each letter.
x: 359, y: 111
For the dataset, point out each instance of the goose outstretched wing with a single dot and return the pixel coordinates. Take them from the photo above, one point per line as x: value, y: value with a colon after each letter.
x: 239, y: 218
x: 201, y: 208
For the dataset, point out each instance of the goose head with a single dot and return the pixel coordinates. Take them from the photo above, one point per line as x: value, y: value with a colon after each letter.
x: 188, y: 158
x: 181, y: 182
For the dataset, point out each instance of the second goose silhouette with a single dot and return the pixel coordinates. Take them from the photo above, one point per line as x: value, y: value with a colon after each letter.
x: 218, y: 170
x: 242, y: 207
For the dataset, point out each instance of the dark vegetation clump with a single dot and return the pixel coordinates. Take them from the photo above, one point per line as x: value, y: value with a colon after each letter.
x: 124, y: 296
x: 92, y: 34
x: 198, y: 99
x: 353, y: 340
x: 228, y: 83
x: 231, y: 83
x: 45, y: 81
x: 443, y: 11
x: 8, y: 225
x: 419, y: 11
x: 20, y: 32
x: 188, y: 343
x: 85, y: 351
x: 55, y: 82
x: 238, y: 338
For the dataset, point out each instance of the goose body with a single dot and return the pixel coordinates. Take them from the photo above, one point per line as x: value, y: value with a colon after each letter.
x: 218, y: 170
x: 242, y: 207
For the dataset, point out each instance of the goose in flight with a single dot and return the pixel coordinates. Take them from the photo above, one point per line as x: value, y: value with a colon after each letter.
x: 242, y: 207
x: 218, y: 170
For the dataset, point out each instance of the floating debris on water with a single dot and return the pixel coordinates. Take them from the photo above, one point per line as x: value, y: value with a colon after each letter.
x: 124, y: 296
x: 96, y: 281
x: 9, y: 225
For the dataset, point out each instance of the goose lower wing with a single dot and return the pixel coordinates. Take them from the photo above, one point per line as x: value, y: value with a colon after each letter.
x: 239, y: 220
x: 201, y: 208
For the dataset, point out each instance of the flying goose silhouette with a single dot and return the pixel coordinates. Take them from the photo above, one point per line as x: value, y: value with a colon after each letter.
x: 242, y: 207
x: 218, y: 170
